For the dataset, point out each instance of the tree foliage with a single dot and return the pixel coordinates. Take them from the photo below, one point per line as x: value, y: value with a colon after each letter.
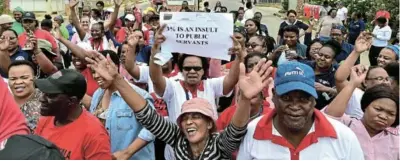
x: 369, y: 8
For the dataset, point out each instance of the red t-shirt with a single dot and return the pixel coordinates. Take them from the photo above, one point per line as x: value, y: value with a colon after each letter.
x: 39, y: 34
x: 83, y: 139
x: 91, y: 83
x: 12, y: 121
x: 225, y: 119
x: 121, y: 35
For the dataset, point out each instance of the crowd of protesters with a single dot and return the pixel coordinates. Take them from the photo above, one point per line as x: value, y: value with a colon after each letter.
x: 93, y: 89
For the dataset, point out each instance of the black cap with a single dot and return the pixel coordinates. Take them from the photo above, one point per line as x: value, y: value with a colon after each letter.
x: 29, y: 16
x: 240, y: 30
x: 65, y: 81
x: 29, y: 147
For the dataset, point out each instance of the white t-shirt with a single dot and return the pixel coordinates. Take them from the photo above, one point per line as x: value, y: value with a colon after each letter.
x: 145, y: 77
x: 248, y: 14
x: 383, y: 36
x: 328, y: 139
x: 175, y: 95
x: 354, y: 105
x: 342, y: 13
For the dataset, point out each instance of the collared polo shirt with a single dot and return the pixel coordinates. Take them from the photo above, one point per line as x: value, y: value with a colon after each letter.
x: 327, y: 139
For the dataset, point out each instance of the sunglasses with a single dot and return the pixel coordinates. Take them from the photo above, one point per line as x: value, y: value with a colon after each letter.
x: 194, y: 68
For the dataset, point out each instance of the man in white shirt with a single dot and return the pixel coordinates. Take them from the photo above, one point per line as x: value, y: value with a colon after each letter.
x: 249, y: 12
x: 342, y: 13
x: 295, y: 130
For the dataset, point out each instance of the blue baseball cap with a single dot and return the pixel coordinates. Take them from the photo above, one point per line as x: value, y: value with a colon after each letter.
x: 293, y: 76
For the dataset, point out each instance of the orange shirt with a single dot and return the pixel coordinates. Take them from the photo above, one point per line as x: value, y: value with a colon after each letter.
x: 83, y: 139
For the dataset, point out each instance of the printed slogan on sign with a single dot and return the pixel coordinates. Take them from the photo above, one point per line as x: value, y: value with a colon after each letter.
x: 192, y: 35
x: 202, y: 34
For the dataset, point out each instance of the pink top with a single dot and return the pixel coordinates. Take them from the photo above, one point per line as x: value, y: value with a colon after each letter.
x: 125, y: 73
x: 383, y: 146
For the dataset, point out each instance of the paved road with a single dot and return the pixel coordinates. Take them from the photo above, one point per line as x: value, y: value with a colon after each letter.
x: 268, y: 18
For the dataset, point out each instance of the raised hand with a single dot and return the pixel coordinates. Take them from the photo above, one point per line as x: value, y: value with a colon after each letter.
x: 253, y: 83
x: 118, y: 2
x: 103, y: 66
x: 159, y: 37
x: 73, y: 3
x: 33, y: 41
x: 363, y: 42
x: 237, y: 49
x: 132, y: 39
x: 4, y: 43
x: 358, y: 74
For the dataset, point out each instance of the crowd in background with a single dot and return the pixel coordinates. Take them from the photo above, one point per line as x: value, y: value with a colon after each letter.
x: 92, y: 89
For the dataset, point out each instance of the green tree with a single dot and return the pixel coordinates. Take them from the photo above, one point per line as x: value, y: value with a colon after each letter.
x: 369, y: 8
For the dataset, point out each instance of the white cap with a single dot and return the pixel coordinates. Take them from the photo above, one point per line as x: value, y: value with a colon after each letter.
x: 6, y: 19
x: 110, y: 9
x: 130, y: 17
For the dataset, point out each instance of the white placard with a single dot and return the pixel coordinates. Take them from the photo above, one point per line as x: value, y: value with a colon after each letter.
x: 179, y: 2
x: 198, y: 33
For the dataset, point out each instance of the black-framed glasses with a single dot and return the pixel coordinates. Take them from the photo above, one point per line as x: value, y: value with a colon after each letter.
x: 195, y: 68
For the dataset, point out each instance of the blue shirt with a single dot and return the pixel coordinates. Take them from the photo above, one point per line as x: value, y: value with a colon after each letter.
x: 355, y: 28
x: 144, y: 54
x: 264, y: 28
x: 71, y: 31
x: 346, y: 50
x: 122, y: 125
x: 18, y: 55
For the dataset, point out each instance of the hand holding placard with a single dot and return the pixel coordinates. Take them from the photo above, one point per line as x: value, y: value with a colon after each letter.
x: 201, y: 34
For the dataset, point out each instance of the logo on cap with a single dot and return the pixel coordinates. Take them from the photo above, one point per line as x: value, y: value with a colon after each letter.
x: 56, y: 75
x: 20, y: 58
x: 297, y: 71
x: 28, y: 14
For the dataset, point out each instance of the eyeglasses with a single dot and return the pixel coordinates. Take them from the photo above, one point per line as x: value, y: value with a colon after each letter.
x: 380, y: 79
x: 193, y: 67
x: 252, y: 45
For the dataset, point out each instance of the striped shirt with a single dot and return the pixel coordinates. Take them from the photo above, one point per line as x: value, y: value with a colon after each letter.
x: 219, y: 145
